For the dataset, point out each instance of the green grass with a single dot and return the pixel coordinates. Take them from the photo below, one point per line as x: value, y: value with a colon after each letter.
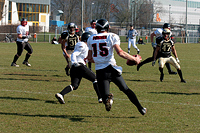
x: 28, y: 105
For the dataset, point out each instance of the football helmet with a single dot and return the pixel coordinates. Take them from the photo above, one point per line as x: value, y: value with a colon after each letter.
x: 102, y: 25
x: 64, y: 35
x: 166, y: 33
x: 23, y: 21
x: 71, y: 28
x: 166, y: 25
x: 93, y: 23
x: 85, y: 36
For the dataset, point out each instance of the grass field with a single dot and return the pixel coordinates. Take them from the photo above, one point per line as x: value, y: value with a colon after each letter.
x: 28, y: 105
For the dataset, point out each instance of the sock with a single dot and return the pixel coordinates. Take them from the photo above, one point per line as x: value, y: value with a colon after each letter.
x: 180, y: 74
x: 150, y: 59
x: 27, y: 57
x: 95, y: 85
x: 161, y: 70
x: 133, y: 98
x: 15, y: 58
x: 89, y: 65
x: 168, y: 67
x: 66, y: 90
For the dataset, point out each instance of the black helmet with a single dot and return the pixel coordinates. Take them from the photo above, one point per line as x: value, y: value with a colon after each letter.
x: 93, y: 21
x: 166, y: 25
x: 102, y: 25
x: 85, y: 36
x: 70, y: 26
x: 23, y: 21
x: 64, y: 35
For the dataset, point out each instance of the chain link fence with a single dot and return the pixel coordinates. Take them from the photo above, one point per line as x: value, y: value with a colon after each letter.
x: 9, y: 32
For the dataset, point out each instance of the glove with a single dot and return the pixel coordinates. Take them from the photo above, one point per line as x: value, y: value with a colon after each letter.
x: 153, y: 44
x: 153, y: 63
x: 29, y: 36
x: 24, y: 37
x: 76, y: 64
x: 177, y: 60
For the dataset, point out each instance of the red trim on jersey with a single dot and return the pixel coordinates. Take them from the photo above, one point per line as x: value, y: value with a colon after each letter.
x: 99, y: 37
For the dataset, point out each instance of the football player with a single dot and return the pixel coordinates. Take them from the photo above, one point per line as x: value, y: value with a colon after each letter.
x: 22, y: 43
x: 79, y: 70
x: 101, y: 52
x: 166, y: 46
x: 92, y: 30
x: 132, y: 33
x: 69, y: 40
x: 158, y: 35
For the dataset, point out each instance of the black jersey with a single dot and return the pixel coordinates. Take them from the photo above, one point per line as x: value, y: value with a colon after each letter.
x: 165, y: 48
x: 71, y: 42
x: 70, y: 39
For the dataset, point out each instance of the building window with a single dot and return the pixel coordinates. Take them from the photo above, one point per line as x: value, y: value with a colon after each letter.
x: 31, y: 11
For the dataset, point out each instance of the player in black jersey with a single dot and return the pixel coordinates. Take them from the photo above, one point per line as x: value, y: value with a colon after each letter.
x: 69, y: 40
x: 166, y: 46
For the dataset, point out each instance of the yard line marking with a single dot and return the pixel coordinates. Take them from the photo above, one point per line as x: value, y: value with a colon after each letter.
x: 31, y: 92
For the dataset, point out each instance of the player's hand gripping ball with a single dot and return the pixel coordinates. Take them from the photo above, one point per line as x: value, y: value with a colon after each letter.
x: 131, y: 63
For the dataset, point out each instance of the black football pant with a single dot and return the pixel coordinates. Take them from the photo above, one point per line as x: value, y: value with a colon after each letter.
x: 109, y: 74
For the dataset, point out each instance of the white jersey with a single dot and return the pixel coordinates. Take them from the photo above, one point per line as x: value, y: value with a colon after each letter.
x: 91, y: 30
x: 22, y: 30
x: 80, y: 53
x: 102, y: 49
x: 159, y: 31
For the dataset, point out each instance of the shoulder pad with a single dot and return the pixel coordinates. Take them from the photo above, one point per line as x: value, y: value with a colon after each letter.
x: 64, y: 35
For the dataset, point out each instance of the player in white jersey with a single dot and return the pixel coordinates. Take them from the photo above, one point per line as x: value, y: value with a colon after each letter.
x: 79, y: 70
x: 101, y: 52
x: 158, y: 35
x: 132, y: 33
x: 22, y: 43
x: 92, y: 30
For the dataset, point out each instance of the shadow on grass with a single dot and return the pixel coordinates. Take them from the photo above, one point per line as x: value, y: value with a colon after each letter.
x: 73, y: 118
x: 24, y: 74
x: 32, y: 99
x: 175, y: 93
x: 141, y: 80
x: 34, y: 80
x: 32, y: 75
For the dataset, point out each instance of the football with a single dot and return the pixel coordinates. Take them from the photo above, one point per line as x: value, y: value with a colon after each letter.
x: 131, y: 63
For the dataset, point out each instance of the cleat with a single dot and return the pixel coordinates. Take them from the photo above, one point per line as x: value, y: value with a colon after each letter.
x: 60, y: 98
x: 161, y: 77
x: 183, y: 81
x: 143, y: 111
x: 14, y: 64
x: 172, y: 72
x: 100, y: 100
x: 129, y: 52
x: 109, y: 102
x: 67, y: 71
x: 138, y: 52
x: 26, y: 63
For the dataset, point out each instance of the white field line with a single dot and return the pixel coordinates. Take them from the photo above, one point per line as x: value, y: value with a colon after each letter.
x: 146, y: 101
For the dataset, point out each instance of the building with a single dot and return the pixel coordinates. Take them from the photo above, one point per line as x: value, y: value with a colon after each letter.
x: 37, y: 12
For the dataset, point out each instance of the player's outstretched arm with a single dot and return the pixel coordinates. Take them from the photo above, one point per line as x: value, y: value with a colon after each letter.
x: 124, y: 54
